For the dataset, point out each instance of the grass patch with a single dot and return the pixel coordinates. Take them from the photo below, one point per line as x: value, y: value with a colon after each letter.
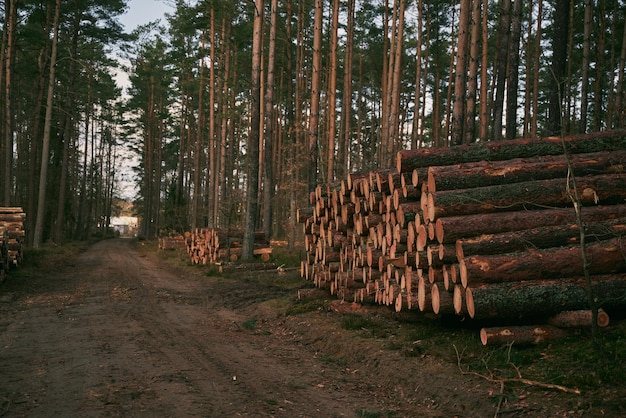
x: 341, y: 362
x: 286, y: 257
x: 309, y: 305
x: 51, y: 255
x: 249, y: 324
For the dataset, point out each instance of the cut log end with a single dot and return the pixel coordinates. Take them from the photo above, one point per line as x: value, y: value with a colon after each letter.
x: 469, y: 302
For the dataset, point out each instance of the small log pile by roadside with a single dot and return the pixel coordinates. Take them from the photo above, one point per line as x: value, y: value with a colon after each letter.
x: 12, y: 236
x: 214, y: 245
x: 171, y: 241
x: 483, y: 230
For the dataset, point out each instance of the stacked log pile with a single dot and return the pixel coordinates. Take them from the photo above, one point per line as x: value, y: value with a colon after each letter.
x: 12, y: 237
x: 482, y: 230
x: 214, y: 245
x: 172, y: 241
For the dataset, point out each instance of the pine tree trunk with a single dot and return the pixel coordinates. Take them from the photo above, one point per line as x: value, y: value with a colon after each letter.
x: 212, y: 180
x: 504, y: 23
x: 315, y: 95
x: 43, y: 177
x: 197, y: 161
x: 6, y: 174
x: 332, y: 93
x: 483, y: 134
x: 252, y: 194
x: 270, y: 161
x: 584, y: 77
x: 559, y: 60
x: 460, y: 84
x: 472, y: 82
x: 536, y: 57
x: 346, y: 128
x: 417, y: 121
x: 513, y: 71
x: 395, y: 139
x: 599, y: 115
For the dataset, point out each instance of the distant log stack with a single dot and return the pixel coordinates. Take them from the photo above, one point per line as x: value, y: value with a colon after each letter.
x: 478, y: 230
x: 213, y: 245
x: 12, y: 236
x: 172, y: 241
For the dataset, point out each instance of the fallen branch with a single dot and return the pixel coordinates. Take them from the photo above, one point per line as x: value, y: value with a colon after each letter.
x: 519, y: 379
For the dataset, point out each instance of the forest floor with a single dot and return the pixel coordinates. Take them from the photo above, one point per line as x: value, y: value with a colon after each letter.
x: 119, y: 329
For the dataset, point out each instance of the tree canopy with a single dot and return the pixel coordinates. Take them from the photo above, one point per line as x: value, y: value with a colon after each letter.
x: 342, y: 86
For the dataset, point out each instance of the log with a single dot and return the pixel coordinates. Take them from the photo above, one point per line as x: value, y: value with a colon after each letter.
x: 408, y: 160
x: 12, y: 218
x: 314, y: 293
x: 11, y: 209
x: 235, y: 253
x: 534, y: 299
x: 593, y: 190
x: 521, y: 335
x: 452, y: 228
x: 578, y: 319
x: 490, y: 173
x: 604, y: 257
x: 542, y: 237
x: 172, y: 243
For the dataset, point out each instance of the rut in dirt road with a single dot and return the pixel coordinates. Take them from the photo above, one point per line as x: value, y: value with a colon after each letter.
x: 116, y: 335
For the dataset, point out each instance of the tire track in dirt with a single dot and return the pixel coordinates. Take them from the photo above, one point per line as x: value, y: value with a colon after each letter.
x: 222, y: 363
x: 115, y: 334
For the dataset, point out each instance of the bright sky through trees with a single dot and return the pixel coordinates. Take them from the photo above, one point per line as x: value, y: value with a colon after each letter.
x: 141, y: 12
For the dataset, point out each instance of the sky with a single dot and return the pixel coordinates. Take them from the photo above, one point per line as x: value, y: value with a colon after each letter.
x: 139, y: 12
x: 143, y: 11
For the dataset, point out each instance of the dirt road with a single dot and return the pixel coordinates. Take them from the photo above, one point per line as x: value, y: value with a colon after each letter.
x: 118, y: 333
x: 115, y: 335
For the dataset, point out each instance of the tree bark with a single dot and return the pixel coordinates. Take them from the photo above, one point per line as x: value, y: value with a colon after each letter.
x: 472, y: 82
x: 605, y: 189
x: 43, y: 176
x: 537, y: 238
x: 315, y: 95
x: 453, y: 228
x: 252, y: 194
x: 521, y: 335
x: 197, y: 189
x: 578, y: 319
x: 556, y: 93
x: 536, y: 63
x: 584, y: 82
x: 539, y: 299
x: 212, y: 179
x: 268, y: 165
x: 490, y: 173
x: 460, y: 83
x: 408, y: 160
x: 500, y: 65
x: 513, y: 71
x: 8, y: 107
x: 332, y: 93
x: 483, y: 134
x: 606, y: 257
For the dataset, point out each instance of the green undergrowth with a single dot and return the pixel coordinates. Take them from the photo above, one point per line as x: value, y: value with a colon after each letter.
x: 50, y: 255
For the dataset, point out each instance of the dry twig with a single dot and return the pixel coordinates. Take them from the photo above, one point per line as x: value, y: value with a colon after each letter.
x: 519, y: 379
